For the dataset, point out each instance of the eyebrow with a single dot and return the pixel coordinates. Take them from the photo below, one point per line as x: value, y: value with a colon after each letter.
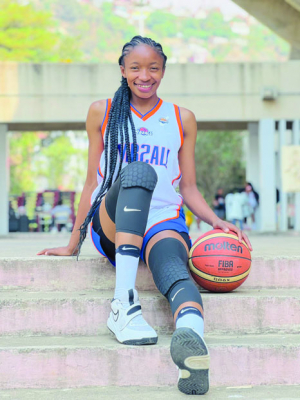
x: 152, y: 63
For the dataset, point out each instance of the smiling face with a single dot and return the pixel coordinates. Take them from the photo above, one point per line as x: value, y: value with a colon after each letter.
x: 143, y: 70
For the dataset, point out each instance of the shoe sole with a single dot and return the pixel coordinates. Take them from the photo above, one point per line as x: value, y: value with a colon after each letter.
x: 190, y: 354
x: 135, y: 342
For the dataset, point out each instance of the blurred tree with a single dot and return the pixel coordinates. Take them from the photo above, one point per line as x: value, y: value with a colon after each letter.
x: 55, y: 162
x: 47, y: 160
x: 56, y: 30
x: 219, y: 163
x: 212, y: 26
x: 112, y: 34
x: 264, y: 45
x: 29, y: 35
x: 23, y: 147
x: 163, y: 24
x: 216, y: 25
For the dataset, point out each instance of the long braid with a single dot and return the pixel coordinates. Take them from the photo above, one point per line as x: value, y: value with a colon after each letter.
x: 117, y: 128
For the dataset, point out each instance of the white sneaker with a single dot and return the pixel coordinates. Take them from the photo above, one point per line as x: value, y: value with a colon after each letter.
x: 127, y: 323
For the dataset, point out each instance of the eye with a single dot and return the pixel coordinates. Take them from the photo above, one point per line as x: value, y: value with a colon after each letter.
x: 154, y: 69
x: 134, y: 68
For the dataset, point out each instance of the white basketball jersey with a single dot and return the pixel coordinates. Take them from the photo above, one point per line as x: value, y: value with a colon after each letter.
x: 159, y: 135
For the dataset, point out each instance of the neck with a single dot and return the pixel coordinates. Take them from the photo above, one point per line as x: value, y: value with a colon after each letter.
x: 144, y: 104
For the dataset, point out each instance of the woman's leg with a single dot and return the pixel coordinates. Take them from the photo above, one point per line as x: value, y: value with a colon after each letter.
x: 123, y: 217
x: 167, y: 255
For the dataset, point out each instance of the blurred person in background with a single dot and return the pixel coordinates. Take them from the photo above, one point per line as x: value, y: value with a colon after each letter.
x: 235, y: 207
x: 219, y: 203
x: 61, y: 215
x: 251, y: 204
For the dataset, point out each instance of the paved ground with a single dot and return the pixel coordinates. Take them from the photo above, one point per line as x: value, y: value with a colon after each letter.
x: 28, y: 244
x: 149, y: 393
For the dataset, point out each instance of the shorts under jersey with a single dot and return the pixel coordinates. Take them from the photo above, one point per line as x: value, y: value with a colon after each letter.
x: 159, y: 135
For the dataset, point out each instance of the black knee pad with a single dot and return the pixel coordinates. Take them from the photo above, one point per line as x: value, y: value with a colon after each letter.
x: 138, y: 181
x: 168, y: 263
x: 138, y: 174
x: 184, y: 291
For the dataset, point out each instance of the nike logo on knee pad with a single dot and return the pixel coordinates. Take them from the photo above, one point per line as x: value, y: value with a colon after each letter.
x: 130, y: 209
x: 172, y: 298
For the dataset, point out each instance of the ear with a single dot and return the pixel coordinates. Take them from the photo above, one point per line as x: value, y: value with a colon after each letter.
x: 122, y: 69
x: 163, y: 72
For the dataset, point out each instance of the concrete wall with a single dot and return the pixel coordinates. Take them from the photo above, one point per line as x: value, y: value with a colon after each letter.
x: 37, y: 96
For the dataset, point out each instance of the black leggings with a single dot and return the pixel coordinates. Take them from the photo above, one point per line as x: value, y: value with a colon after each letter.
x: 107, y: 246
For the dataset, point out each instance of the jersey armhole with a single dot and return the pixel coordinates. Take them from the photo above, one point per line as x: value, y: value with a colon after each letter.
x: 106, y: 115
x: 179, y: 123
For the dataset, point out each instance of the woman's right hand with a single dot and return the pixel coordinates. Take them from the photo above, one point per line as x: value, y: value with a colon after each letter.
x: 57, y: 251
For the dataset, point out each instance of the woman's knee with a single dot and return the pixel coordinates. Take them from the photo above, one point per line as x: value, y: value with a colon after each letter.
x: 167, y: 260
x: 138, y: 174
x: 128, y: 201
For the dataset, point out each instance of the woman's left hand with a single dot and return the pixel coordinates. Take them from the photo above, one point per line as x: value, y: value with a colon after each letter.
x: 227, y: 226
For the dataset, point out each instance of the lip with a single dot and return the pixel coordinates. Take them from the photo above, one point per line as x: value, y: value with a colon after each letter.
x: 144, y: 88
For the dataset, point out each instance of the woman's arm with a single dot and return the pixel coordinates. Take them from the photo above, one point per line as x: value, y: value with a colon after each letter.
x: 93, y: 127
x: 188, y: 187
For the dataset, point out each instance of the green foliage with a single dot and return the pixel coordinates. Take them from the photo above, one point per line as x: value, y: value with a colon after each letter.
x: 112, y: 33
x: 67, y: 10
x: 23, y: 147
x: 72, y: 30
x: 264, y: 42
x: 163, y: 24
x: 218, y: 159
x: 56, y: 161
x: 29, y: 35
x: 213, y: 25
x: 42, y: 160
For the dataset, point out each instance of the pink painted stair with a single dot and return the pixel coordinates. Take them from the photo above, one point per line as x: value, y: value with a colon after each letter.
x: 53, y: 313
x: 244, y: 311
x: 53, y: 362
x: 61, y: 274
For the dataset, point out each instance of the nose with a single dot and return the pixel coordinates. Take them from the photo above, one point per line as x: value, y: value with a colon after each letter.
x: 144, y: 74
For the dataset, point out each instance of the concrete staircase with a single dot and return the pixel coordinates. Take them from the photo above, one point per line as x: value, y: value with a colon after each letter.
x: 53, y: 334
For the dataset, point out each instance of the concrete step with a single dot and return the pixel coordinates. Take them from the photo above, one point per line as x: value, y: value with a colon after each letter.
x: 286, y: 392
x: 60, y: 362
x: 85, y: 312
x: 66, y: 274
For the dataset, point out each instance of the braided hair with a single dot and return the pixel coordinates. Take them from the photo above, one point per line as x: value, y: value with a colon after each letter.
x: 117, y: 126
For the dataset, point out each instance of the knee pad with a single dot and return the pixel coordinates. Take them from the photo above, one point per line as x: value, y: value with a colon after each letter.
x: 132, y: 190
x: 138, y: 174
x: 168, y: 263
x: 184, y: 295
x: 138, y: 181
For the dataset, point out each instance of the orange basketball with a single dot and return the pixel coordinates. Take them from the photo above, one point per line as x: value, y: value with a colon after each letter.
x: 219, y: 262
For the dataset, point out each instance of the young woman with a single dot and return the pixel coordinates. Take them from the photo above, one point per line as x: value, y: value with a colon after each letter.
x: 146, y: 149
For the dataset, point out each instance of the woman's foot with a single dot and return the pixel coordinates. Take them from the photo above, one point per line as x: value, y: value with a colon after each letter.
x: 189, y: 352
x: 127, y: 323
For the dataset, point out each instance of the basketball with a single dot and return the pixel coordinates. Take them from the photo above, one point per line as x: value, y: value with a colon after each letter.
x: 219, y: 262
